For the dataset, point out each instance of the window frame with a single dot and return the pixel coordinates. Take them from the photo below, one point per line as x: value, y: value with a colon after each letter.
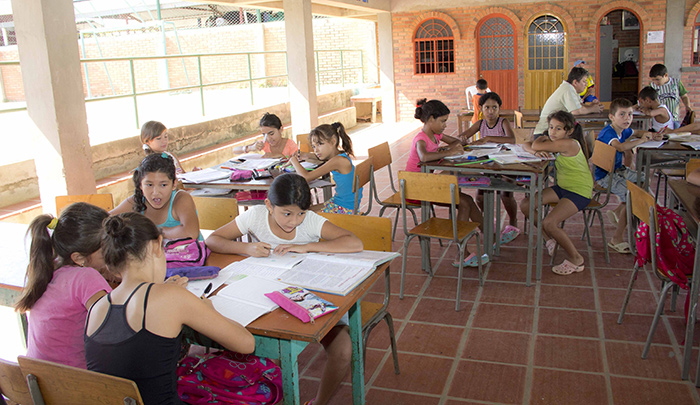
x: 695, y: 55
x: 439, y: 47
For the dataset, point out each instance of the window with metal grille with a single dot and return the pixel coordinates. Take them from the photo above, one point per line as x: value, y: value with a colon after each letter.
x: 496, y: 45
x: 434, y: 48
x: 546, y: 44
x: 695, y: 46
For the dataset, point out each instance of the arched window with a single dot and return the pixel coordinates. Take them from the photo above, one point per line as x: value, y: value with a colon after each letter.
x: 434, y: 47
x: 546, y: 44
x: 695, y: 47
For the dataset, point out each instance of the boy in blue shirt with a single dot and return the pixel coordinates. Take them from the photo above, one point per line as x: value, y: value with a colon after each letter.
x: 618, y: 135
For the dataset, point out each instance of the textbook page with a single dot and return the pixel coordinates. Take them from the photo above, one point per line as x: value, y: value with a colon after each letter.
x: 244, y: 300
x: 371, y: 258
x: 652, y: 144
x: 286, y: 261
x: 266, y: 272
x: 204, y: 176
x: 325, y: 276
x: 197, y: 287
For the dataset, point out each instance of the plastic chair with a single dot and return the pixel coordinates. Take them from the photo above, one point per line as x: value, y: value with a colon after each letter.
x: 381, y: 155
x: 441, y: 189
x: 375, y: 234
x: 363, y: 175
x: 103, y: 201
x: 215, y: 212
x: 641, y: 205
x: 470, y: 92
x: 52, y: 383
x: 12, y: 383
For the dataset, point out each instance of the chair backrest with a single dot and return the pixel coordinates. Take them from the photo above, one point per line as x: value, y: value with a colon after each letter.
x: 12, y: 383
x: 641, y: 203
x: 381, y: 155
x: 470, y: 92
x: 428, y: 186
x: 691, y: 166
x: 61, y: 384
x: 518, y: 119
x: 374, y: 232
x: 215, y: 212
x: 363, y: 171
x: 103, y: 201
x: 303, y: 143
x: 604, y: 156
x: 606, y: 104
x: 522, y: 135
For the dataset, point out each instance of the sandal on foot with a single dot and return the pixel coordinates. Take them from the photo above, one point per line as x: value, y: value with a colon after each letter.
x: 509, y: 234
x: 472, y: 261
x: 622, y: 247
x: 612, y: 217
x: 550, y: 245
x: 566, y: 268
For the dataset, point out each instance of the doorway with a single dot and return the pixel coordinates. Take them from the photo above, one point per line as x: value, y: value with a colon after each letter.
x: 497, y: 46
x: 545, y: 66
x: 619, y: 50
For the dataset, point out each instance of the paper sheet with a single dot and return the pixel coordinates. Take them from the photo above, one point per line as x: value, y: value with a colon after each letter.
x: 652, y: 144
x: 204, y: 176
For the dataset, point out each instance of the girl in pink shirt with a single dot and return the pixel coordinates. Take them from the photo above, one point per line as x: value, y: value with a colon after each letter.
x: 62, y: 282
x: 273, y: 144
x: 426, y: 147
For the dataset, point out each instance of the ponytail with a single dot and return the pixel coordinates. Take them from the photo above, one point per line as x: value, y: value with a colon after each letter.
x: 334, y: 132
x: 343, y: 136
x: 578, y: 135
x: 77, y: 230
x: 426, y: 109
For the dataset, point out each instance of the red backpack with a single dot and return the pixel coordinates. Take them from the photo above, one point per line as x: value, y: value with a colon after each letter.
x: 675, y: 254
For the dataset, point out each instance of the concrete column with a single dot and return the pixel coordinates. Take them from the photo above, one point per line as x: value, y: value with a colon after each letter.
x: 298, y: 25
x: 673, y: 55
x: 53, y: 87
x: 386, y: 67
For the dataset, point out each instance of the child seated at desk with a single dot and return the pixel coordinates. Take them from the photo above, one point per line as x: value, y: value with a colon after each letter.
x: 426, y: 147
x: 574, y: 185
x: 63, y: 281
x: 333, y: 146
x: 273, y: 145
x: 649, y: 105
x: 285, y: 224
x: 136, y: 331
x: 618, y: 135
x: 156, y: 196
x: 496, y: 129
x: 154, y: 137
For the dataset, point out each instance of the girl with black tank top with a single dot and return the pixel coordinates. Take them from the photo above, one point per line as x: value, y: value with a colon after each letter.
x: 135, y: 332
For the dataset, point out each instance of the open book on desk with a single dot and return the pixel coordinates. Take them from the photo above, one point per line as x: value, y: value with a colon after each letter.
x: 244, y: 300
x: 204, y: 176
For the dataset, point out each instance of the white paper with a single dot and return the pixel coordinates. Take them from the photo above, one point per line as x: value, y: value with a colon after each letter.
x: 251, y: 164
x: 204, y: 176
x: 655, y: 37
x: 694, y: 145
x: 370, y: 258
x: 326, y: 276
x: 286, y: 261
x: 485, y: 145
x: 237, y: 311
x: 251, y: 290
x: 652, y: 144
x: 266, y: 272
x: 197, y: 287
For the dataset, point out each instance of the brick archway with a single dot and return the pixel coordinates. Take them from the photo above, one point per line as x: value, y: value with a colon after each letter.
x: 434, y: 14
x: 637, y: 9
x: 483, y: 13
x: 557, y: 11
x: 692, y: 14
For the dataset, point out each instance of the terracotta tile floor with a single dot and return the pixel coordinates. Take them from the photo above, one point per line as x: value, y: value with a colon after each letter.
x: 556, y: 342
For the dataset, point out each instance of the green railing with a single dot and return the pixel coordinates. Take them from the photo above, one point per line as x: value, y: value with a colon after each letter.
x: 200, y: 85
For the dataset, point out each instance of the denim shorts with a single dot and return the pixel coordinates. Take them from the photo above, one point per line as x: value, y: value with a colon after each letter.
x: 579, y: 201
x: 619, y: 179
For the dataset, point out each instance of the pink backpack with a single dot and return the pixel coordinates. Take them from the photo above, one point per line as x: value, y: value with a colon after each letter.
x: 229, y: 378
x: 675, y: 254
x: 186, y: 252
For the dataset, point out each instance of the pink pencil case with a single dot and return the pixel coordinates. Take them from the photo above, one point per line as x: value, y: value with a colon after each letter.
x: 301, y: 303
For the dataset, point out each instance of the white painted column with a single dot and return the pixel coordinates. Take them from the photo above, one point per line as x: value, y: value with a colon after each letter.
x: 53, y: 87
x: 386, y: 67
x: 298, y: 25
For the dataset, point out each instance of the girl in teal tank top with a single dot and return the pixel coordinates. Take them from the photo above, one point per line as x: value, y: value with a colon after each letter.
x: 333, y: 146
x: 156, y: 197
x: 574, y: 185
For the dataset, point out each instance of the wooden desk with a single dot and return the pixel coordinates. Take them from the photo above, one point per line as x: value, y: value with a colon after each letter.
x: 537, y: 172
x: 688, y: 195
x: 279, y: 335
x: 373, y: 99
x: 669, y: 149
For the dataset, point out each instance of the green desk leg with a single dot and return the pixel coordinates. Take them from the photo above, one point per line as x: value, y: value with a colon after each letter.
x: 23, y: 327
x: 358, y: 366
x: 289, y: 351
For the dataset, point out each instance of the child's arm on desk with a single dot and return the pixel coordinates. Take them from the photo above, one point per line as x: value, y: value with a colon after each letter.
x: 335, y: 240
x: 222, y: 241
x: 629, y: 144
x: 509, y: 138
x: 566, y: 146
x: 454, y: 147
x: 337, y: 163
x: 470, y: 132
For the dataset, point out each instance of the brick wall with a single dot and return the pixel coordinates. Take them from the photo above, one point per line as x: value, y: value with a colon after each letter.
x: 691, y: 80
x: 115, y: 77
x: 581, y: 20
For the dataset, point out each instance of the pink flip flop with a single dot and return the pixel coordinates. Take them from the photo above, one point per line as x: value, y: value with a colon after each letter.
x: 509, y: 234
x: 566, y: 268
x: 550, y: 245
x: 473, y: 261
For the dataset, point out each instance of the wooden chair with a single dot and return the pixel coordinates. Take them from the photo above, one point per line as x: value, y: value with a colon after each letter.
x: 441, y: 189
x: 381, y: 157
x: 606, y: 105
x: 691, y: 166
x: 642, y: 206
x: 53, y: 383
x: 215, y: 212
x: 303, y: 143
x: 103, y: 201
x: 522, y: 135
x: 375, y: 234
x: 12, y: 383
x: 363, y: 175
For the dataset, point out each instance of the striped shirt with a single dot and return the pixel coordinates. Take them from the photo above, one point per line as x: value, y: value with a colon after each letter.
x: 670, y: 95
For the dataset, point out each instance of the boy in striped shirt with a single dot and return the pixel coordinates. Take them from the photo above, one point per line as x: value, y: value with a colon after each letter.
x: 671, y: 91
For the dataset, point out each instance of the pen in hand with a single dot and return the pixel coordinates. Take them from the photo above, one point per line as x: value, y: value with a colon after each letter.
x: 206, y: 291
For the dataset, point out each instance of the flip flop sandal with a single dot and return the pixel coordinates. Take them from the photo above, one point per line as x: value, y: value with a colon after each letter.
x: 622, y: 247
x: 472, y: 261
x: 509, y: 234
x: 612, y: 217
x: 550, y: 245
x: 566, y: 268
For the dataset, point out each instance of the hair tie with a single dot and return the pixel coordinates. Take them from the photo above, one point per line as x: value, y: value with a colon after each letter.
x: 164, y: 155
x: 52, y: 224
x: 335, y: 125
